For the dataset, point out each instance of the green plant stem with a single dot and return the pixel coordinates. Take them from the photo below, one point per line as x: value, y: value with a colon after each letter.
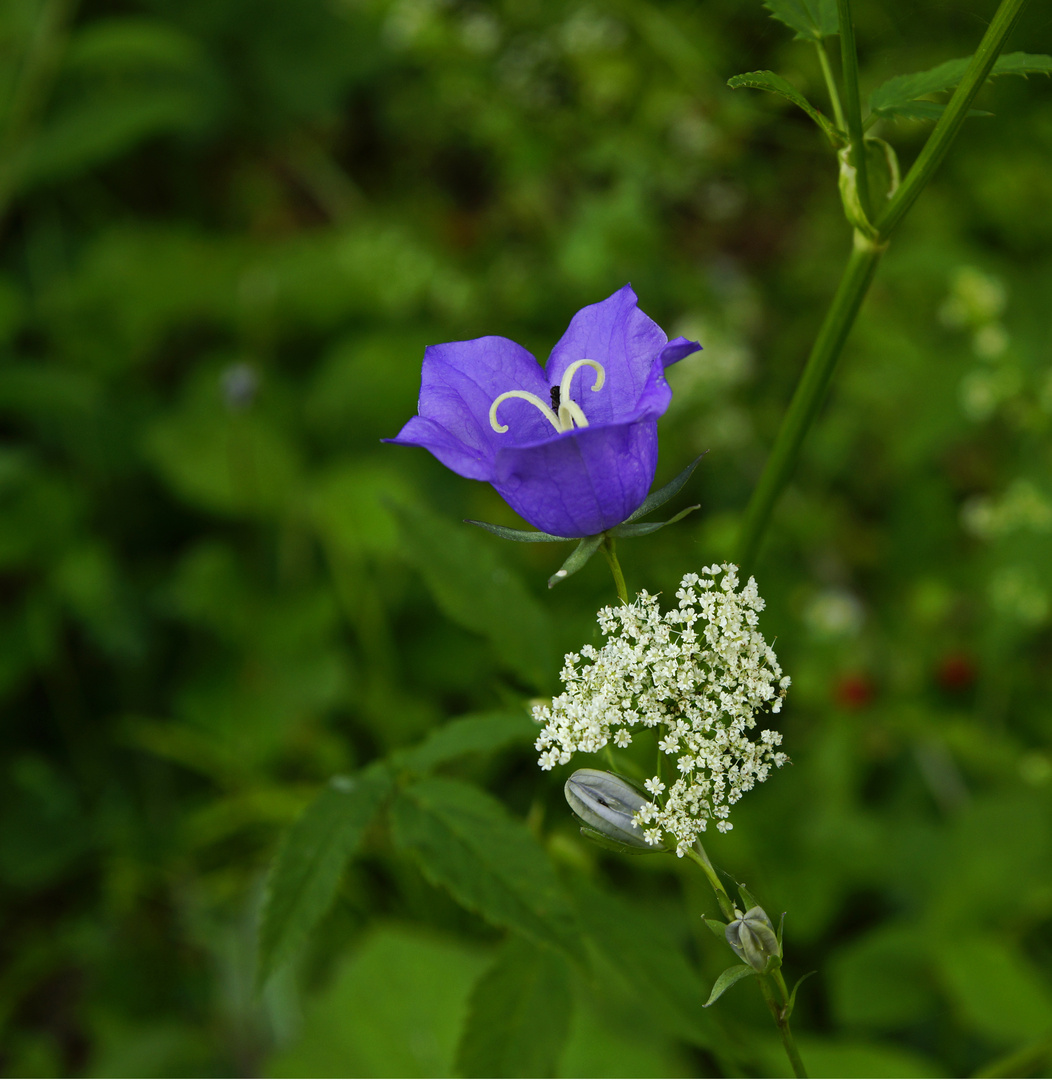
x: 782, y: 1020
x: 934, y: 150
x: 810, y: 391
x: 609, y: 550
x: 858, y: 274
x: 852, y: 102
x: 699, y: 855
x: 827, y: 74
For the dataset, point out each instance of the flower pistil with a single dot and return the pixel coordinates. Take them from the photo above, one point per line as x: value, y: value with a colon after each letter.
x: 564, y: 414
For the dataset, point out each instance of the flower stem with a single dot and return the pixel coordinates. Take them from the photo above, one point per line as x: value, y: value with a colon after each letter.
x: 810, y: 392
x: 778, y: 1012
x: 858, y: 273
x: 852, y: 103
x: 827, y: 74
x: 930, y: 157
x: 699, y: 855
x: 609, y: 551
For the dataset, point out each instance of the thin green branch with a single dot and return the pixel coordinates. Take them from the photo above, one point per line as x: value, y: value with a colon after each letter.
x: 827, y: 74
x: 852, y: 102
x: 609, y: 550
x: 930, y: 157
x: 810, y: 392
x: 778, y: 1011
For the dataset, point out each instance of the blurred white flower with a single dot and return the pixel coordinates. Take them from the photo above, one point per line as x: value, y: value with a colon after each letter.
x: 699, y: 674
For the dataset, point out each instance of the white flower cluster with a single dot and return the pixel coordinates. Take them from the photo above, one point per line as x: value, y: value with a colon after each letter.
x: 698, y: 674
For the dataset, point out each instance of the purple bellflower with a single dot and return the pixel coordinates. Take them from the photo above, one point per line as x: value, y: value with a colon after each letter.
x: 572, y: 447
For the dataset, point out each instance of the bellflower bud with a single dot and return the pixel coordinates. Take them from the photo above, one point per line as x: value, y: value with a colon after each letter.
x: 753, y: 938
x: 607, y: 805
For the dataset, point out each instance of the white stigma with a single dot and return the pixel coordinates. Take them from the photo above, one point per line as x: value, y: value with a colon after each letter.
x: 570, y: 414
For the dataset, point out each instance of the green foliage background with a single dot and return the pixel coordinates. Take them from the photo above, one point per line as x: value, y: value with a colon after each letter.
x: 230, y: 227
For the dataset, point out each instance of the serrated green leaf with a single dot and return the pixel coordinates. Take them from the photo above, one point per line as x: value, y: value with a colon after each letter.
x: 465, y: 841
x: 518, y: 1015
x: 523, y: 536
x: 468, y: 735
x: 901, y: 92
x: 642, y: 954
x: 475, y: 589
x: 306, y: 872
x: 726, y: 980
x: 775, y: 84
x: 665, y: 493
x: 578, y: 557
x: 811, y: 19
x: 646, y: 528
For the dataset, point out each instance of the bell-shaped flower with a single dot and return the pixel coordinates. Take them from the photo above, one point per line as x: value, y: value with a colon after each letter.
x: 572, y: 447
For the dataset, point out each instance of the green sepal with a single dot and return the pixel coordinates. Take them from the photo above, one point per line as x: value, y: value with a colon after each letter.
x: 775, y: 84
x: 718, y: 928
x: 748, y: 899
x: 726, y: 980
x: 773, y: 964
x: 791, y: 1003
x: 523, y: 536
x: 578, y: 557
x: 781, y: 927
x: 648, y: 527
x: 662, y: 495
x: 600, y: 840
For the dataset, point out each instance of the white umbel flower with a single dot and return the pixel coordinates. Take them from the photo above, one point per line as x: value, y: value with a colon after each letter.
x: 698, y: 674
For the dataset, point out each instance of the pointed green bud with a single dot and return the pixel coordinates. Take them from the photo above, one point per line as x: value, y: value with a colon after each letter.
x: 753, y: 938
x: 607, y: 804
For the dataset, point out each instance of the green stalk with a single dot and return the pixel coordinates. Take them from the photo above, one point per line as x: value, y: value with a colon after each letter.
x: 852, y: 102
x: 608, y: 548
x: 782, y: 1022
x: 827, y: 74
x: 810, y: 392
x: 930, y: 157
x: 699, y: 855
x: 858, y: 274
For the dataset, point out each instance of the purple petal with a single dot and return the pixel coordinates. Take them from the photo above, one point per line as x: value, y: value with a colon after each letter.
x: 583, y: 482
x: 459, y: 383
x: 621, y: 338
x: 657, y: 393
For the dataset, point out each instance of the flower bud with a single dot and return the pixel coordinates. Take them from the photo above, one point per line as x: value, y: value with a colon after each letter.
x: 607, y: 804
x: 753, y: 938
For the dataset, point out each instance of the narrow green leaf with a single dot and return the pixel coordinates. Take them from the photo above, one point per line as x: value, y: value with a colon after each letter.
x: 518, y: 1015
x: 607, y: 844
x: 726, y: 980
x: 663, y: 494
x: 578, y: 557
x: 474, y: 588
x: 747, y: 897
x: 646, y: 528
x: 465, y: 841
x: 811, y: 19
x: 645, y: 957
x: 791, y: 1004
x: 897, y: 97
x: 775, y: 84
x: 719, y: 929
x: 468, y: 735
x: 523, y: 536
x: 306, y: 872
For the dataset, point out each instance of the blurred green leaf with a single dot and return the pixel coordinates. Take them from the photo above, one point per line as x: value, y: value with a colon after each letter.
x: 394, y: 1007
x: 518, y: 1016
x: 901, y: 92
x: 468, y: 735
x: 465, y: 841
x: 644, y: 956
x: 306, y: 871
x: 475, y: 589
x: 811, y: 19
x: 998, y: 992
